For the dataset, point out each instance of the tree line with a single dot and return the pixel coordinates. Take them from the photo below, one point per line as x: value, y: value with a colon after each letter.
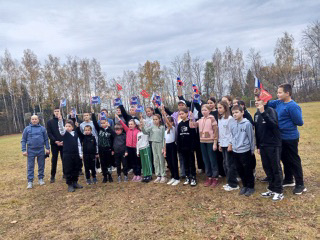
x: 30, y: 86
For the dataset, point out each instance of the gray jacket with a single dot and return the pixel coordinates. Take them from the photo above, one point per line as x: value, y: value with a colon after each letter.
x: 242, y: 136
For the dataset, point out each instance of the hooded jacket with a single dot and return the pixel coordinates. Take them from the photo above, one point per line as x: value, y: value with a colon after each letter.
x: 224, y: 125
x: 208, y: 129
x: 242, y: 136
x: 53, y: 130
x: 119, y: 142
x: 131, y: 135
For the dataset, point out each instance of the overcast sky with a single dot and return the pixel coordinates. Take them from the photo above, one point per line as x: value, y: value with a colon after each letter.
x: 122, y: 34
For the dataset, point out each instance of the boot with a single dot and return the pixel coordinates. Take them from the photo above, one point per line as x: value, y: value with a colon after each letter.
x: 76, y: 185
x: 110, y: 178
x: 71, y: 188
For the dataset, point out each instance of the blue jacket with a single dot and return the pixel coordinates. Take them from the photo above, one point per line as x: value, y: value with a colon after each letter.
x: 34, y: 138
x: 289, y: 117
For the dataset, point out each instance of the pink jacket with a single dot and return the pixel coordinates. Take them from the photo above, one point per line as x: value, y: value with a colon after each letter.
x: 208, y: 129
x: 131, y: 140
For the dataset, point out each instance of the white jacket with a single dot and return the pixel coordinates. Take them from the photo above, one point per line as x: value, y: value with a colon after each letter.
x: 142, y: 141
x: 225, y: 137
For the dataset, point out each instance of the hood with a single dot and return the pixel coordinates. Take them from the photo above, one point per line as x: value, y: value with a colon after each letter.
x: 37, y: 125
x: 243, y: 121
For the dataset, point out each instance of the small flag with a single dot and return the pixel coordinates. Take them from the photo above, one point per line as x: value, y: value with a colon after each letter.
x: 157, y: 100
x: 117, y: 102
x: 139, y: 108
x: 103, y: 116
x: 179, y: 81
x: 257, y: 83
x: 265, y: 95
x: 63, y: 102
x: 195, y: 88
x: 135, y: 101
x: 95, y: 100
x: 74, y: 111
x: 196, y: 98
x: 145, y: 94
x: 119, y: 87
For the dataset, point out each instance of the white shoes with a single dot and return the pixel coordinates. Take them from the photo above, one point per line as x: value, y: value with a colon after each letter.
x: 157, y: 180
x: 163, y: 180
x: 228, y: 188
x: 175, y: 183
x: 41, y: 182
x: 171, y: 181
x: 30, y: 185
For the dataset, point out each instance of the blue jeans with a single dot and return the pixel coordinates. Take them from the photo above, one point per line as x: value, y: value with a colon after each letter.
x: 210, y: 160
x: 30, y: 167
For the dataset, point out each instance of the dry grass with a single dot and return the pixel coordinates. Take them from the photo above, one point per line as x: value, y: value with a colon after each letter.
x: 155, y: 211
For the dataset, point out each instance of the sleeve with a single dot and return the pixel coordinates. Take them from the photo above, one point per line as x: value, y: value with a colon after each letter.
x: 124, y: 113
x: 256, y: 133
x: 157, y: 111
x: 188, y: 103
x: 296, y: 115
x: 168, y: 111
x: 125, y: 127
x: 215, y: 131
x: 46, y: 140
x: 80, y: 148
x: 228, y: 132
x: 146, y: 130
x: 197, y: 106
x: 95, y: 122
x: 49, y: 130
x: 271, y: 119
x: 95, y: 143
x: 24, y: 140
x: 193, y: 124
x: 273, y: 103
x: 178, y: 138
x: 74, y: 120
x: 137, y: 144
x: 251, y: 137
x: 111, y: 123
x: 80, y: 134
x: 61, y: 127
x: 249, y: 117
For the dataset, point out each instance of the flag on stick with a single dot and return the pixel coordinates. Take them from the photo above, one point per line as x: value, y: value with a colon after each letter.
x: 179, y: 81
x: 195, y: 88
x: 145, y: 94
x: 119, y: 87
x: 63, y: 102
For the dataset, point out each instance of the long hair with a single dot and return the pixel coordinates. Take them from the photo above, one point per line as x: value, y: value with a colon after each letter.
x: 159, y: 117
x: 225, y: 106
x: 170, y: 119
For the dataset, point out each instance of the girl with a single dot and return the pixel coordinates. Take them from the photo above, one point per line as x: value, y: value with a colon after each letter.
x: 131, y: 142
x: 228, y: 99
x: 225, y: 146
x: 156, y: 133
x: 208, y: 131
x: 171, y: 149
x: 212, y: 104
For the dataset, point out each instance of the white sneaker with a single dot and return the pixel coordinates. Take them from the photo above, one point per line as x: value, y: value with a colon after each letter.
x: 228, y: 188
x: 193, y: 182
x: 175, y: 183
x: 277, y: 197
x: 130, y: 171
x: 30, y: 185
x: 113, y: 169
x: 187, y: 181
x: 157, y: 180
x: 225, y: 186
x: 41, y: 182
x: 99, y: 170
x: 171, y: 181
x: 163, y: 180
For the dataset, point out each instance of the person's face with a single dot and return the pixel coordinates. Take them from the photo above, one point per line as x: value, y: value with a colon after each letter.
x: 205, y: 112
x: 104, y: 123
x: 118, y: 131
x: 132, y: 125
x: 69, y: 127
x: 118, y: 111
x: 226, y: 100
x: 156, y: 121
x: 235, y: 102
x: 149, y: 112
x: 237, y: 115
x: 281, y: 94
x: 221, y: 110
x: 183, y: 115
x: 87, y: 131
x: 211, y: 104
x: 86, y: 116
x: 258, y: 101
x: 132, y: 111
x: 180, y: 106
x: 34, y: 120
x: 56, y: 112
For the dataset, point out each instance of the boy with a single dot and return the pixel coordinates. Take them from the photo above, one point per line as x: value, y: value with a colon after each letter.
x: 34, y: 138
x: 268, y: 142
x: 243, y: 149
x: 109, y: 120
x: 289, y: 117
x: 185, y: 142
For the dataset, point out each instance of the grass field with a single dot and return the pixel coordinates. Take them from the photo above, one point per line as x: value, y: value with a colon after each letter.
x: 156, y: 211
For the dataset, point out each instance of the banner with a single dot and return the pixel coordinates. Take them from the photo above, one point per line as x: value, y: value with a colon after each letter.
x: 196, y: 98
x: 117, y: 102
x: 134, y: 100
x: 103, y: 116
x: 63, y: 102
x: 139, y: 108
x: 265, y: 95
x: 195, y: 88
x: 145, y: 94
x: 95, y: 100
x: 74, y: 111
x: 179, y: 81
x: 157, y: 100
x: 119, y: 87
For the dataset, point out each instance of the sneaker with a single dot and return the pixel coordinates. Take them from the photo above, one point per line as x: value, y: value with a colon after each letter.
x: 242, y: 190
x: 214, y: 183
x: 287, y: 183
x: 98, y: 170
x: 208, y: 182
x: 229, y: 188
x: 134, y: 179
x: 187, y: 181
x: 193, y: 182
x: 52, y: 180
x: 266, y: 179
x: 175, y: 183
x: 299, y: 189
x: 88, y: 181
x: 158, y: 179
x: 125, y: 179
x: 113, y: 169
x: 30, y: 185
x: 225, y: 186
x: 238, y: 179
x: 171, y: 181
x: 138, y: 179
x: 148, y: 179
x: 277, y: 197
x: 249, y: 192
x: 95, y: 180
x: 267, y: 194
x: 119, y: 179
x: 130, y: 171
x: 41, y: 182
x: 110, y: 178
x: 104, y: 180
x: 71, y: 188
x: 77, y: 185
x: 163, y: 180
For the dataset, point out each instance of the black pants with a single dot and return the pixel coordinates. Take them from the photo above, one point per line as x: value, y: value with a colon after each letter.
x: 200, y: 161
x: 134, y: 160
x: 189, y: 163
x: 291, y: 161
x: 229, y: 167
x: 105, y: 160
x: 270, y: 157
x: 220, y: 163
x: 97, y: 163
x: 89, y: 161
x: 244, y: 163
x: 71, y: 166
x: 55, y: 149
x: 120, y: 158
x: 172, y: 159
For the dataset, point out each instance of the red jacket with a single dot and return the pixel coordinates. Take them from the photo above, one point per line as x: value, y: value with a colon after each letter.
x: 131, y: 134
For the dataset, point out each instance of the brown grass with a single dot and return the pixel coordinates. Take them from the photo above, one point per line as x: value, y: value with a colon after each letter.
x: 155, y: 211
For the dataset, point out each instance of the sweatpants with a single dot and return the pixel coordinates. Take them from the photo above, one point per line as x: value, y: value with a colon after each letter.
x: 55, y: 149
x: 30, y: 167
x: 134, y: 161
x: 229, y: 167
x: 89, y: 161
x: 105, y: 161
x: 210, y: 160
x: 121, y: 159
x: 291, y: 161
x: 244, y: 163
x: 159, y: 162
x: 172, y: 159
x: 199, y: 155
x: 71, y: 165
x: 189, y: 163
x: 270, y: 157
x: 181, y: 161
x: 145, y: 156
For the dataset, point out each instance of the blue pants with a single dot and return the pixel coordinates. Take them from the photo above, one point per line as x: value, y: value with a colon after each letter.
x: 30, y: 167
x: 210, y: 160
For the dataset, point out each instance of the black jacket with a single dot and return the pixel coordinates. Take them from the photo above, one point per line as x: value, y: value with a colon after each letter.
x: 53, y: 130
x: 186, y: 136
x: 248, y: 116
x: 105, y: 137
x: 119, y: 142
x: 88, y: 143
x: 267, y: 129
x: 70, y: 143
x: 126, y: 116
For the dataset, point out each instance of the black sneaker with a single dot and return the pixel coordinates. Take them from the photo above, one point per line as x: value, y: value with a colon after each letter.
x: 104, y: 180
x: 77, y: 185
x: 242, y: 190
x: 249, y: 192
x: 287, y: 183
x: 299, y: 189
x: 266, y: 179
x: 110, y: 178
x: 71, y: 188
x: 52, y: 180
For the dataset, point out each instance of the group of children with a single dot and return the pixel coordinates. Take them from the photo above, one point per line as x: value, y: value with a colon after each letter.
x: 222, y: 132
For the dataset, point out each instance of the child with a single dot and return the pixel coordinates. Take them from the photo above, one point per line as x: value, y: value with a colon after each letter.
x: 243, y: 149
x: 228, y: 100
x: 289, y: 116
x: 118, y: 112
x: 34, y: 138
x: 171, y: 150
x: 71, y: 154
x: 89, y: 153
x: 208, y: 132
x: 131, y: 143
x: 185, y: 142
x: 109, y: 120
x: 105, y: 142
x: 225, y: 146
x: 268, y: 142
x: 120, y: 151
x: 156, y: 133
